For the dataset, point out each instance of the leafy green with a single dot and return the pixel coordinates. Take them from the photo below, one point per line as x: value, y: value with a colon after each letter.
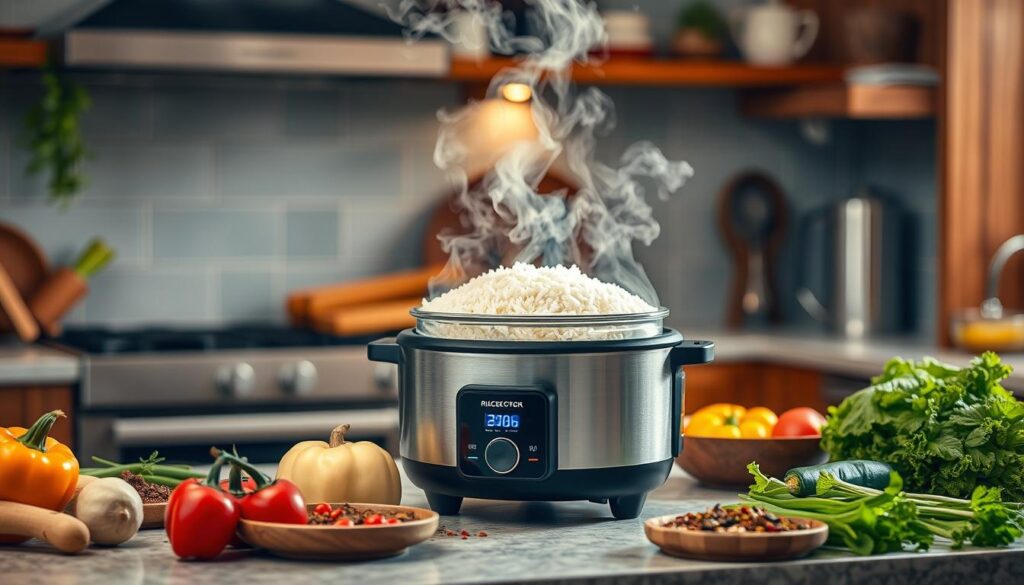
x: 703, y: 16
x: 869, y: 521
x: 54, y: 137
x: 946, y: 430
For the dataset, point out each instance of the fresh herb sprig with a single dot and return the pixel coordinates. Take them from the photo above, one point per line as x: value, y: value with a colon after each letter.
x: 870, y: 521
x: 54, y: 137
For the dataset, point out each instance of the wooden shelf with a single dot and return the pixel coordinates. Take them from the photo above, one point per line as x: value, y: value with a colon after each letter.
x: 15, y: 53
x: 841, y: 101
x: 665, y: 72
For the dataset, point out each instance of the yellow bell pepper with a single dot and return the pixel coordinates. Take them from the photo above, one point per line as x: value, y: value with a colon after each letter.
x: 731, y: 421
x: 36, y: 469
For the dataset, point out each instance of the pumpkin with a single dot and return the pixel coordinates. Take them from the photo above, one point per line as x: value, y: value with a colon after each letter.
x: 340, y: 471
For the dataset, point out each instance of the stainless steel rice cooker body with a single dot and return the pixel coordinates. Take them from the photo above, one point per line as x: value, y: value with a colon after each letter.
x: 540, y: 420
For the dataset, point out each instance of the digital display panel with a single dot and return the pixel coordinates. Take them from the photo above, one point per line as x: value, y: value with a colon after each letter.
x: 501, y: 421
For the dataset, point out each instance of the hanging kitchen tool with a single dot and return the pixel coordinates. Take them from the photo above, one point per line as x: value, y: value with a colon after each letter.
x: 24, y: 262
x: 991, y: 327
x: 752, y: 217
x: 861, y: 244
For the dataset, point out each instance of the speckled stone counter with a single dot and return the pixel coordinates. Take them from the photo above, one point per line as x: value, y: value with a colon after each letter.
x: 22, y: 364
x: 538, y: 542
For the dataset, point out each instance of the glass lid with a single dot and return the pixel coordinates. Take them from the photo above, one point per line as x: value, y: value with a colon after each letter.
x: 560, y: 327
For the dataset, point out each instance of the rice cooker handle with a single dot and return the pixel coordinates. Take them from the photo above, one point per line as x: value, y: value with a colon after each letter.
x: 685, y: 354
x: 384, y: 350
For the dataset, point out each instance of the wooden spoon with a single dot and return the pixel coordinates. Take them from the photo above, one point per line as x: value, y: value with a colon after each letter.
x: 14, y: 305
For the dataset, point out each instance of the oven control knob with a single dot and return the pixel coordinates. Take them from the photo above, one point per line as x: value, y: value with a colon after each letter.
x: 501, y: 455
x: 237, y: 380
x: 297, y: 378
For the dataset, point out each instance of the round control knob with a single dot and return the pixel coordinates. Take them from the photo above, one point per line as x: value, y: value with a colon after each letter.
x: 501, y: 455
x: 297, y: 378
x: 237, y: 380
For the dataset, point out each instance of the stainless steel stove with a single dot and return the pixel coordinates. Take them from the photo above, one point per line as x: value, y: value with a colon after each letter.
x: 259, y: 387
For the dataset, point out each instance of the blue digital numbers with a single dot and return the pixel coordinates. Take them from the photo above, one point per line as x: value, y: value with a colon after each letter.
x: 501, y: 421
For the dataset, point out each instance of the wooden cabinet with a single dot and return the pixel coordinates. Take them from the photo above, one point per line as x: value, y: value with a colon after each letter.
x: 22, y: 405
x: 982, y: 145
x: 753, y: 384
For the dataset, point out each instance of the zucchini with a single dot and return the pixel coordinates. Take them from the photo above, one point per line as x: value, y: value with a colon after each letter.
x: 803, y: 481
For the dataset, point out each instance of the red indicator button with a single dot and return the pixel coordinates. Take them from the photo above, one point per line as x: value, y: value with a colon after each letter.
x: 533, y: 459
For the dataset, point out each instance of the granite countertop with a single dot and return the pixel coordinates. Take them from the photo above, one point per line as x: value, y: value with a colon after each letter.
x: 835, y: 355
x: 35, y: 364
x: 538, y: 542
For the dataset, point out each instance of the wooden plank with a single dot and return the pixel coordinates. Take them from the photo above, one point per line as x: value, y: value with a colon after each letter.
x: 22, y: 53
x: 1004, y: 166
x: 664, y: 72
x: 982, y: 122
x: 840, y: 101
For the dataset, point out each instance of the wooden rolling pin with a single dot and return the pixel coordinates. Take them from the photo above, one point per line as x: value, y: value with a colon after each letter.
x: 308, y: 306
x: 370, y: 318
x: 63, y: 531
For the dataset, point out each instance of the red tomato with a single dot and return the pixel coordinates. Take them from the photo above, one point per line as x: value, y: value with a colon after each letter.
x: 373, y: 520
x: 323, y: 508
x: 799, y: 422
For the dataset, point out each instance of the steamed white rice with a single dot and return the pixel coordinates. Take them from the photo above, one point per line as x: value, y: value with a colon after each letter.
x: 525, y: 289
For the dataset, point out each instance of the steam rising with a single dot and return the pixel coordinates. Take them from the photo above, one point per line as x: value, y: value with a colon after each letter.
x: 509, y: 220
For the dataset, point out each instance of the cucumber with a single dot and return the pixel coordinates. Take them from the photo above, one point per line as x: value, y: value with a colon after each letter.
x: 803, y: 481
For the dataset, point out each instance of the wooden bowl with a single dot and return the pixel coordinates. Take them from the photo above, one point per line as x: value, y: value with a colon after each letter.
x: 723, y: 462
x: 153, y: 515
x: 339, y: 543
x: 735, y: 546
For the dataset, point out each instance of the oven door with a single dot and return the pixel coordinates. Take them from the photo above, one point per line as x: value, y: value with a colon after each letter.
x: 262, y: 437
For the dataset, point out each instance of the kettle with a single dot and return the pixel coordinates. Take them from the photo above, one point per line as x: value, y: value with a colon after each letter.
x: 862, y: 252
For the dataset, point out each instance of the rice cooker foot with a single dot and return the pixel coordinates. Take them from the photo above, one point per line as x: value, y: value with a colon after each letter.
x: 626, y: 507
x: 444, y: 505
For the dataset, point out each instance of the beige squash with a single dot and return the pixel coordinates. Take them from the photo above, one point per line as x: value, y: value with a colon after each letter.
x: 359, y: 472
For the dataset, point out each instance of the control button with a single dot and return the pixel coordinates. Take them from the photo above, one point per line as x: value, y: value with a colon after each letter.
x: 501, y: 455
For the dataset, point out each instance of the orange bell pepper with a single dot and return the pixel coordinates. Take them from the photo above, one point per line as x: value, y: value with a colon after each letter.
x: 36, y: 469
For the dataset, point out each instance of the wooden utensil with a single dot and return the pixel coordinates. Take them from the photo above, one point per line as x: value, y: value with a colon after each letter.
x: 723, y: 462
x: 369, y: 318
x: 342, y: 543
x: 735, y: 546
x: 65, y: 532
x: 307, y: 305
x: 752, y: 218
x: 13, y: 304
x: 153, y: 515
x: 25, y: 263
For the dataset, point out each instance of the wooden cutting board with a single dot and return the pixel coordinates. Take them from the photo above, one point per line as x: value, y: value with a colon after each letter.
x: 24, y: 262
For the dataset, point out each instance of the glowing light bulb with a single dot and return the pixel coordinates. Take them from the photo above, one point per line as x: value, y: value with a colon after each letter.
x: 517, y: 93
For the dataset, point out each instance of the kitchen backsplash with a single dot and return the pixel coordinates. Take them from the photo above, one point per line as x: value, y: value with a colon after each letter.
x: 221, y: 195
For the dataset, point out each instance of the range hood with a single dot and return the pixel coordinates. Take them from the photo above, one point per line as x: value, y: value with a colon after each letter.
x: 331, y: 37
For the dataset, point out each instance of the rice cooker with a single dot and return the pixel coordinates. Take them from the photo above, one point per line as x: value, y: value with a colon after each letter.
x: 564, y: 407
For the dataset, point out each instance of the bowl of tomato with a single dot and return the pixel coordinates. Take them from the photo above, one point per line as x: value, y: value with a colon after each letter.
x: 721, y: 439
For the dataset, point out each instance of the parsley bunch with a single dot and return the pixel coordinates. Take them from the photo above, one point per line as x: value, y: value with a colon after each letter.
x: 869, y: 521
x: 946, y: 430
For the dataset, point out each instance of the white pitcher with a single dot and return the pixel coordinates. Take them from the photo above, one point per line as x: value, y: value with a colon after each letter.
x: 773, y: 33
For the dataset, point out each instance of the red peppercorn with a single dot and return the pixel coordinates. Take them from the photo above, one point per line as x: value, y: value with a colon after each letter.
x: 322, y: 509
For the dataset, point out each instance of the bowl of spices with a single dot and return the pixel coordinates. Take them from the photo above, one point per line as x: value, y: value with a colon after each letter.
x: 344, y: 532
x: 154, y: 499
x: 735, y: 533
